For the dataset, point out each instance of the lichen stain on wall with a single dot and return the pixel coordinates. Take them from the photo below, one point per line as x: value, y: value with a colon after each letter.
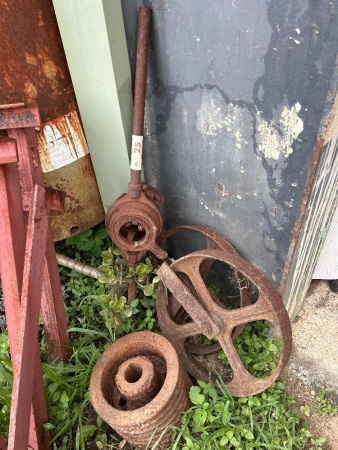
x: 275, y: 141
x: 214, y: 117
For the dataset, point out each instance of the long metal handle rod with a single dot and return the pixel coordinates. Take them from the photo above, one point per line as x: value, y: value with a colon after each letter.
x: 143, y: 36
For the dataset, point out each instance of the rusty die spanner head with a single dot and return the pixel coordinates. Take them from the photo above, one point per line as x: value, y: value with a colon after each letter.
x: 134, y: 225
x: 213, y: 321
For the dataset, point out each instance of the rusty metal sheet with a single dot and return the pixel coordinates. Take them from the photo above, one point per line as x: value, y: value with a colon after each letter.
x: 36, y: 73
x: 137, y: 385
x: 219, y: 320
x: 83, y: 208
x: 33, y: 65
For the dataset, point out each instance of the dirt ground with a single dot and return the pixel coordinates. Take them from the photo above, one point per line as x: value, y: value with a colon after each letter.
x: 315, y: 357
x: 304, y: 395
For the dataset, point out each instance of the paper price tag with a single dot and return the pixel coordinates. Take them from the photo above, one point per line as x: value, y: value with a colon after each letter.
x: 136, y: 152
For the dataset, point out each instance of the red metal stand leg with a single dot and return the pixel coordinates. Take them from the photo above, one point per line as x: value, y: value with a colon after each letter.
x: 30, y: 310
x: 3, y: 445
x: 29, y: 272
x: 52, y: 305
x: 12, y: 244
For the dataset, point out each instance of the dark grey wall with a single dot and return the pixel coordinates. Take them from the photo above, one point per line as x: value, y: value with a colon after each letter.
x: 236, y: 93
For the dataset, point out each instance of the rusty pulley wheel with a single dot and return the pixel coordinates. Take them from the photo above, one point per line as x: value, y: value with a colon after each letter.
x: 213, y: 241
x: 213, y: 321
x: 139, y: 386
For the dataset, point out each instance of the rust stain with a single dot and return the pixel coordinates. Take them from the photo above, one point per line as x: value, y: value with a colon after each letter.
x: 223, y: 192
x: 31, y: 59
x: 275, y: 214
x: 30, y: 92
x: 301, y: 212
x: 83, y: 209
x: 220, y: 189
x: 40, y: 22
x: 61, y: 141
x: 49, y: 69
x: 33, y: 66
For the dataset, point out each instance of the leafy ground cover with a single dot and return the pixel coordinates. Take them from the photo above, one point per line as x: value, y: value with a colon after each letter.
x: 98, y: 314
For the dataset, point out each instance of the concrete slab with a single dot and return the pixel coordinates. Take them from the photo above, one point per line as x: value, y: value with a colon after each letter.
x: 315, y: 334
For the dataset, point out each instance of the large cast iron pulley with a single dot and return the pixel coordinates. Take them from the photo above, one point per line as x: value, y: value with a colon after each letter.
x: 215, y: 322
x: 212, y: 241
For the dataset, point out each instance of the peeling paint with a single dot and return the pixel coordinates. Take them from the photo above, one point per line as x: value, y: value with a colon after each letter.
x: 214, y: 117
x: 275, y: 141
x: 239, y: 139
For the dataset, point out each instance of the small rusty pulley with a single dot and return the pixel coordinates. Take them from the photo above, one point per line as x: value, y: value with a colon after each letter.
x: 134, y: 220
x: 214, y: 321
x: 139, y: 387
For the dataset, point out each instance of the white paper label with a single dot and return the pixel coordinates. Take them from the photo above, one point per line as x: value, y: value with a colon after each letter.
x: 61, y: 142
x: 136, y: 152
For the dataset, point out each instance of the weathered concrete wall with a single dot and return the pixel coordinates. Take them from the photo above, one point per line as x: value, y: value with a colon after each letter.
x: 236, y: 98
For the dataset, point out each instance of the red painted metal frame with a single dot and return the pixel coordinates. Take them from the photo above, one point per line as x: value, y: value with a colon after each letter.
x: 30, y: 311
x: 12, y: 242
x: 52, y: 306
x: 3, y: 445
x: 29, y: 277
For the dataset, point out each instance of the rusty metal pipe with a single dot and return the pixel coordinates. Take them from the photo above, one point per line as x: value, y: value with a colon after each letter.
x: 143, y: 36
x: 78, y: 266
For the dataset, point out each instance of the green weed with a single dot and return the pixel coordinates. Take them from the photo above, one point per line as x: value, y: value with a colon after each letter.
x: 72, y: 418
x: 93, y: 241
x: 325, y: 405
x: 119, y: 315
x: 258, y: 350
x: 6, y: 376
x: 219, y: 421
